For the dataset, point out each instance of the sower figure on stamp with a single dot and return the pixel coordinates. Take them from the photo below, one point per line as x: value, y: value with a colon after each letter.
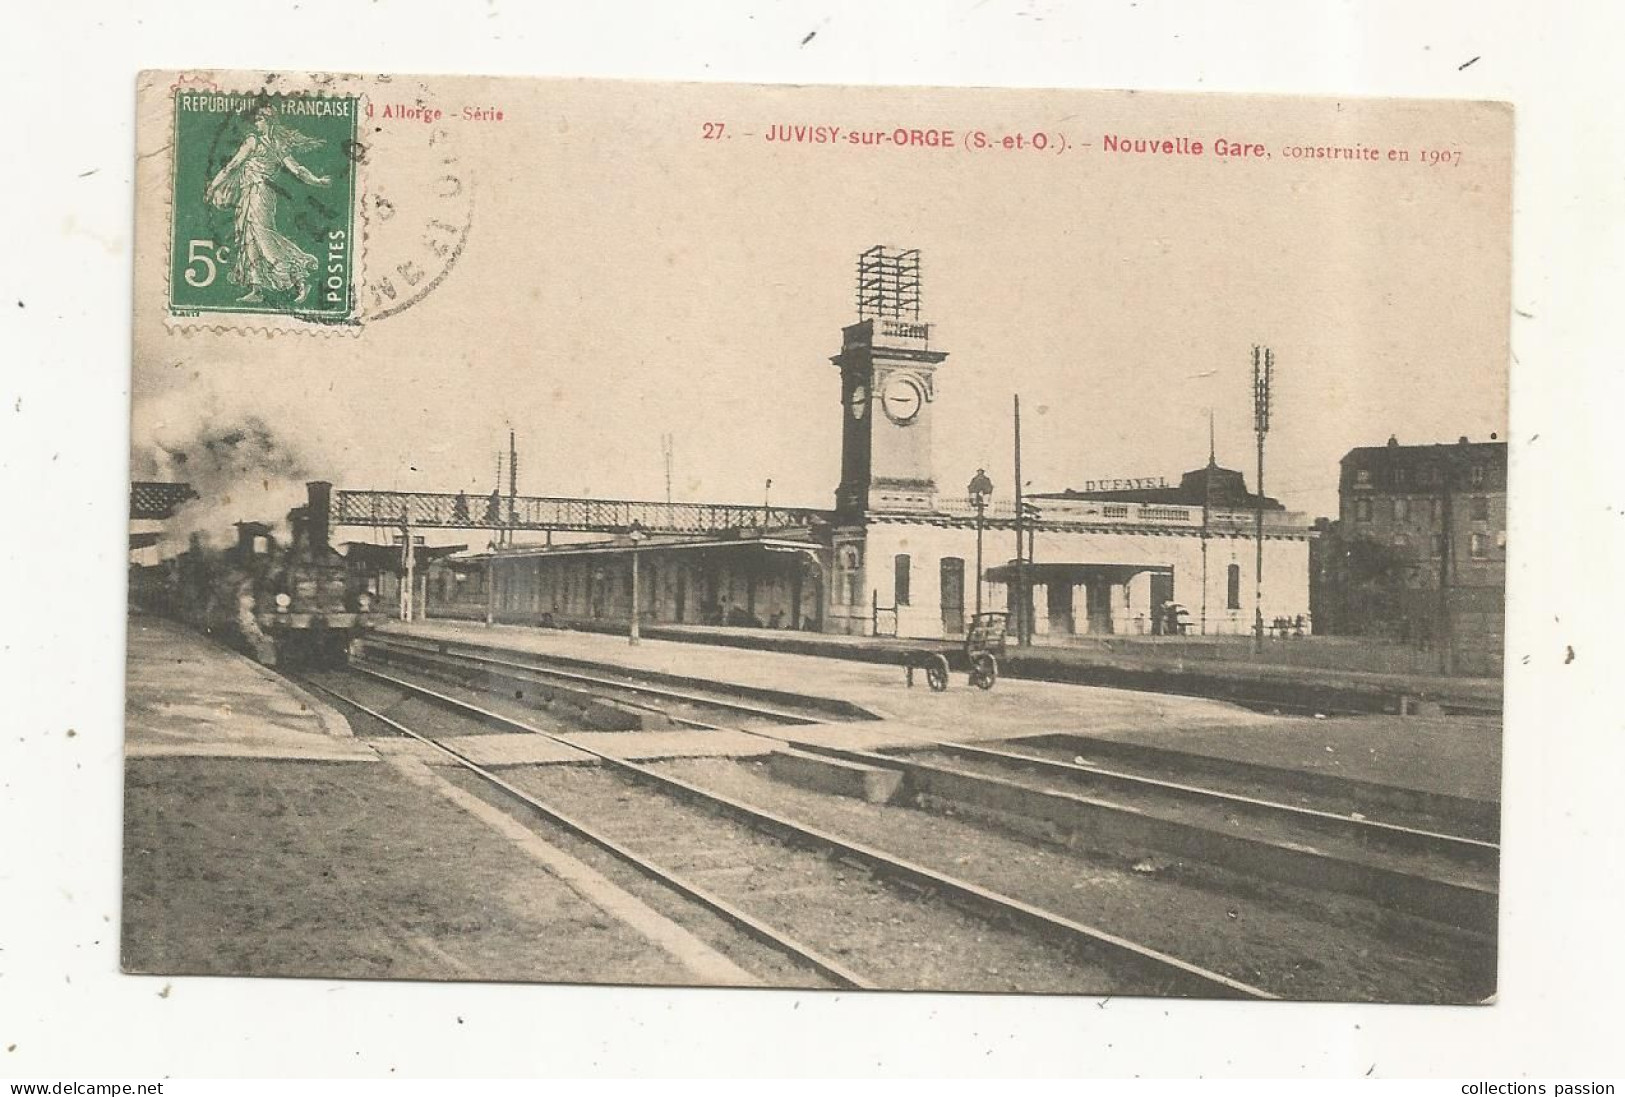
x: 265, y: 258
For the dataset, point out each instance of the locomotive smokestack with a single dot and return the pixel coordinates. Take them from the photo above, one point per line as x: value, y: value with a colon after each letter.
x: 316, y: 515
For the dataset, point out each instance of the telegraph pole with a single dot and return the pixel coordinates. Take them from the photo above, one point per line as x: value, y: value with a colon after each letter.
x: 666, y: 452
x: 1207, y: 507
x: 1022, y: 637
x: 409, y: 589
x: 513, y: 487
x: 1447, y: 548
x: 1263, y: 375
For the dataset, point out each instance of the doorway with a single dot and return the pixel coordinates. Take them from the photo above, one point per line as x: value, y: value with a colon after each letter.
x: 1099, y: 602
x: 1162, y: 592
x: 953, y: 596
x: 1058, y: 596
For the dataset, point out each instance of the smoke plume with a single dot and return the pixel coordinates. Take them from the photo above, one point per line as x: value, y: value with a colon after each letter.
x: 240, y: 468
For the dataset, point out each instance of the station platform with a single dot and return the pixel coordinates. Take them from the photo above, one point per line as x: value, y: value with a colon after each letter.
x: 248, y: 852
x: 1287, y: 672
x: 186, y: 696
x: 1458, y: 756
x: 879, y: 689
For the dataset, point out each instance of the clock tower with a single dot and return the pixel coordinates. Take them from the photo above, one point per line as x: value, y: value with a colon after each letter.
x: 888, y: 385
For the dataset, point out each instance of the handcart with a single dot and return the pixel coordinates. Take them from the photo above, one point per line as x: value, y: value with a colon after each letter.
x: 984, y: 644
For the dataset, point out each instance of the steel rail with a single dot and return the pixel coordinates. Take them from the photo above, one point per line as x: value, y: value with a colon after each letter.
x: 758, y: 929
x: 1414, y: 838
x: 1456, y: 901
x: 749, y: 708
x: 1180, y: 974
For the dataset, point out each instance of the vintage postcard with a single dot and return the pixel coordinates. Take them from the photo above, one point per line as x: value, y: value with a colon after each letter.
x: 1048, y: 542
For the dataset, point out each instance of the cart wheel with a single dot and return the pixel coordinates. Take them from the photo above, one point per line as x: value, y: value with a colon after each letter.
x: 936, y: 673
x: 984, y: 670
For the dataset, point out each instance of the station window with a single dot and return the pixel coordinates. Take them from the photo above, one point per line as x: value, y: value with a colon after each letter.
x: 1362, y: 510
x: 1438, y: 510
x: 1481, y: 509
x: 1475, y: 476
x: 952, y: 583
x: 1362, y: 477
x: 1479, y: 546
x: 1438, y: 544
x: 1399, y: 478
x: 1233, y: 586
x: 1402, y: 509
x: 901, y: 576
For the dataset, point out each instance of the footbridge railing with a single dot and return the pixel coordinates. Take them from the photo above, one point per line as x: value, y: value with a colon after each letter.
x: 456, y: 510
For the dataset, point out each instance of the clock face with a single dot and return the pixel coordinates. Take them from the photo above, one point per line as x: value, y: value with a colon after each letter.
x: 903, y: 397
x: 857, y: 402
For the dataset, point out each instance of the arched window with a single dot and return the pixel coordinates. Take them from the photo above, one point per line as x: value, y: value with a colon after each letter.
x: 1233, y: 583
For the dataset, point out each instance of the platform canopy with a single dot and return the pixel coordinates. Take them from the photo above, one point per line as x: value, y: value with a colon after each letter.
x: 1052, y: 572
x: 388, y: 557
x: 155, y: 500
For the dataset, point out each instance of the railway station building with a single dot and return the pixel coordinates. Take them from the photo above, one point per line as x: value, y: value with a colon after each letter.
x: 897, y: 554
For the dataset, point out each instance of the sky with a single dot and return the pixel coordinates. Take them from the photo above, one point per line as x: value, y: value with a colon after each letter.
x: 624, y: 278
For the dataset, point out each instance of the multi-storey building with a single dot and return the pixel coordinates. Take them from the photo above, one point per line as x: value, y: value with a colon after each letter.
x: 1418, y: 551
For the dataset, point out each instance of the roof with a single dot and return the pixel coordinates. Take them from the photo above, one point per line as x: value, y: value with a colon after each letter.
x: 1490, y: 451
x: 1393, y: 467
x: 622, y: 546
x: 1212, y: 486
x: 389, y: 556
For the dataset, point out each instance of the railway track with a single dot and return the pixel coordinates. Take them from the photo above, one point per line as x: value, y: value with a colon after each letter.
x: 683, y: 704
x: 1448, y: 877
x: 1444, y: 877
x: 1124, y: 962
x: 1424, y: 874
x: 830, y: 970
x: 1419, y: 809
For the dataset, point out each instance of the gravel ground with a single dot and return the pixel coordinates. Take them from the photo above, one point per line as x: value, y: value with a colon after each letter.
x: 471, y: 686
x: 892, y: 937
x: 772, y: 966
x: 426, y: 717
x: 280, y: 868
x: 1299, y: 945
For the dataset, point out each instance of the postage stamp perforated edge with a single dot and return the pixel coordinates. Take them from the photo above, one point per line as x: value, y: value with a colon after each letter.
x: 267, y: 87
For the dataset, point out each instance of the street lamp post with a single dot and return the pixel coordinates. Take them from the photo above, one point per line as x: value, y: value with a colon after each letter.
x: 636, y: 535
x: 980, y: 488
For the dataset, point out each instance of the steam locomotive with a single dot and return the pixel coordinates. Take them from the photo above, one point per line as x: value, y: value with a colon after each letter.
x: 298, y: 604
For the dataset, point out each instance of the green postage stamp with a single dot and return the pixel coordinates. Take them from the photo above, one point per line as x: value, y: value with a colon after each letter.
x: 263, y: 201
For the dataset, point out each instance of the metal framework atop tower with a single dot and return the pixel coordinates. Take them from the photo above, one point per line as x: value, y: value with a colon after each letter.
x: 889, y: 283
